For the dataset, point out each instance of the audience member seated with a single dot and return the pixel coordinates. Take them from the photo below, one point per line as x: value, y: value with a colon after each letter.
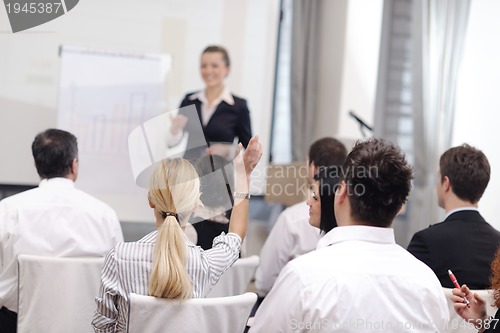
x: 464, y: 173
x: 475, y: 313
x: 293, y: 235
x: 164, y: 263
x: 359, y: 279
x: 54, y: 219
x: 321, y: 210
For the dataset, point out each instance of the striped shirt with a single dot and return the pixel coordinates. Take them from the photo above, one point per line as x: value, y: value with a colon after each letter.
x: 128, y: 266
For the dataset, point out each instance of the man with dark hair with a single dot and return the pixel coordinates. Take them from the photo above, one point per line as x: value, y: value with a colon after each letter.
x: 56, y: 154
x: 54, y: 219
x: 464, y: 173
x: 326, y: 152
x: 359, y: 279
x: 292, y: 235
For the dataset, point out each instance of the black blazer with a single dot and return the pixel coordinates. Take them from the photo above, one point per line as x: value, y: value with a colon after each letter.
x: 464, y: 243
x: 226, y: 123
x: 207, y: 230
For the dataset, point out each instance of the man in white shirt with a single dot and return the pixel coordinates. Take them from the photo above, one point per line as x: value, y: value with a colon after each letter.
x: 292, y: 235
x: 54, y: 219
x: 359, y: 280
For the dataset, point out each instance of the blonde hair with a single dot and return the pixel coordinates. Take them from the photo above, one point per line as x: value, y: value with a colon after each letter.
x: 175, y: 191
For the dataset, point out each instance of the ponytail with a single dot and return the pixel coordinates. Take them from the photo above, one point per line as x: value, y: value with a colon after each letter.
x: 169, y: 278
x: 174, y: 192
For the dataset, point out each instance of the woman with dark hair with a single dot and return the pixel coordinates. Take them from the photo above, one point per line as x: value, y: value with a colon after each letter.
x: 475, y: 312
x: 321, y: 211
x: 222, y: 115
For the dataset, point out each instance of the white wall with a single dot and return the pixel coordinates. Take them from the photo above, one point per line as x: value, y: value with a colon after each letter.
x: 349, y: 61
x: 334, y: 25
x: 361, y: 55
x: 477, y: 117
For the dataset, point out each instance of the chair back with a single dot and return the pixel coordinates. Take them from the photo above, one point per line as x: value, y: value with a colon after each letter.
x: 57, y: 294
x: 457, y: 324
x: 195, y: 315
x: 236, y: 279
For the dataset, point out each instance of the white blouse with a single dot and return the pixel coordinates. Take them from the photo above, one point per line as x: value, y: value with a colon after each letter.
x: 128, y: 266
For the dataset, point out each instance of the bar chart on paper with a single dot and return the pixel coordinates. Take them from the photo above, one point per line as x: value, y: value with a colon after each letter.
x: 103, y: 96
x: 102, y: 124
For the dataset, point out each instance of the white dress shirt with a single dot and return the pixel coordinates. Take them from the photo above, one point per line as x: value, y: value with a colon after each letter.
x: 360, y: 281
x: 128, y: 266
x: 55, y: 219
x: 291, y: 236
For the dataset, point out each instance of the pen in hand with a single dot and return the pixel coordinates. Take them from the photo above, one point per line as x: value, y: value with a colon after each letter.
x: 455, y: 283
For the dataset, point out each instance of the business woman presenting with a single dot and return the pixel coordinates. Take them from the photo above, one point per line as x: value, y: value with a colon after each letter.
x: 222, y: 115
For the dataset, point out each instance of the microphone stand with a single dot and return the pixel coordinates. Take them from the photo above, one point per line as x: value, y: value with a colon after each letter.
x: 362, y: 124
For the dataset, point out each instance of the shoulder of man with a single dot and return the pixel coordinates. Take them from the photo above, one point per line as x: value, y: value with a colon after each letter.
x: 19, y: 198
x: 95, y: 202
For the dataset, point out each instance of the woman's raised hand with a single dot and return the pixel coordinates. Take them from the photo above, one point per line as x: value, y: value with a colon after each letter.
x: 252, y: 154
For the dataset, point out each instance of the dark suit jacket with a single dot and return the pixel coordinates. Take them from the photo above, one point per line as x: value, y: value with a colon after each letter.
x: 464, y: 243
x: 226, y: 123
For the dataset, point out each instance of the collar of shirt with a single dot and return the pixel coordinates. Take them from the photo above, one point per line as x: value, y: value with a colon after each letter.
x: 459, y: 209
x: 359, y: 233
x: 224, y: 96
x: 58, y: 182
x: 206, y: 110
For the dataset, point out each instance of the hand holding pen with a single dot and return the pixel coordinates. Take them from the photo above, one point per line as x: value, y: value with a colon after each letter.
x: 455, y: 283
x: 475, y: 312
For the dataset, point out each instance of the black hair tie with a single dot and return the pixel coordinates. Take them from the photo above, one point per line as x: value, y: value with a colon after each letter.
x: 165, y: 214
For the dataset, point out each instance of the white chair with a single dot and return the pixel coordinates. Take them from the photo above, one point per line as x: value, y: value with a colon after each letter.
x: 459, y: 325
x: 57, y: 294
x: 196, y: 315
x: 236, y: 279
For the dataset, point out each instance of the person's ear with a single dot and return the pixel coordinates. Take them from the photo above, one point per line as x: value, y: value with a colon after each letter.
x: 74, y: 167
x: 313, y: 169
x: 152, y: 205
x: 341, y: 193
x: 446, y: 184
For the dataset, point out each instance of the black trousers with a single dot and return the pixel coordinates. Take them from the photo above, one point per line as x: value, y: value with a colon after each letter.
x: 8, y: 321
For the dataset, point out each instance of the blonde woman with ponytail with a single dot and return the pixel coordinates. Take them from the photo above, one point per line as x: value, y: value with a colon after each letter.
x: 165, y: 263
